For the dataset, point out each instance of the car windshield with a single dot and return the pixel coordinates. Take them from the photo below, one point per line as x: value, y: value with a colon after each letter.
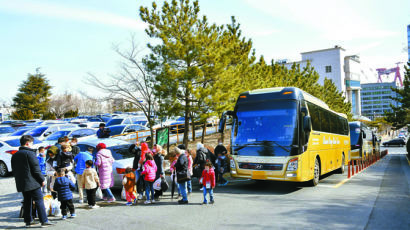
x: 354, y: 134
x: 37, y: 131
x: 19, y: 132
x: 267, y: 123
x: 141, y: 122
x: 56, y: 135
x: 116, y: 130
x: 181, y: 119
x: 120, y: 152
x: 16, y: 142
x: 6, y: 129
x: 116, y: 121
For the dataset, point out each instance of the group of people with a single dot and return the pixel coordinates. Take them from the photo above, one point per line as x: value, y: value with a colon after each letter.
x: 40, y: 174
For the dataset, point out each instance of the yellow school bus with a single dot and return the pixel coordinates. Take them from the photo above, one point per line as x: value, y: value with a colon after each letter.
x: 362, y: 141
x: 286, y: 134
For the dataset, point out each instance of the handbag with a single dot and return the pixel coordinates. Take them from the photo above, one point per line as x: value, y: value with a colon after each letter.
x: 123, y: 195
x: 183, y: 176
x: 164, y: 185
x: 157, y: 184
x: 98, y: 193
x: 197, y: 171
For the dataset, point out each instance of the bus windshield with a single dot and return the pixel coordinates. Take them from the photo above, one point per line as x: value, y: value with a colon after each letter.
x: 271, y: 121
x: 354, y: 135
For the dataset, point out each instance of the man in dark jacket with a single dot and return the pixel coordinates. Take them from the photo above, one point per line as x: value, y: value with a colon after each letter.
x: 181, y: 168
x: 102, y: 132
x: 29, y: 180
x: 220, y: 150
x: 159, y: 161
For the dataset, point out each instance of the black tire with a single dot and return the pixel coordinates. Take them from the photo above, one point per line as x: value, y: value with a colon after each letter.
x: 316, y: 173
x: 341, y: 170
x: 3, y: 169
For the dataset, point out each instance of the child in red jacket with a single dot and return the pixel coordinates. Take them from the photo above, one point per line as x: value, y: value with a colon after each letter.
x: 208, y: 181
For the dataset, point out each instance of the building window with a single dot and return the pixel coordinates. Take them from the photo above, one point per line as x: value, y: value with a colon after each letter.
x: 328, y: 69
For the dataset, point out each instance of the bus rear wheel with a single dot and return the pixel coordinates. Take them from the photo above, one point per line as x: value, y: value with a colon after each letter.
x: 342, y: 168
x: 316, y: 174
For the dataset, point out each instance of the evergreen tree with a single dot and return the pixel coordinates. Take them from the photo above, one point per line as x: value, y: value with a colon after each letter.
x: 22, y: 114
x: 190, y: 57
x: 401, y: 114
x: 33, y: 95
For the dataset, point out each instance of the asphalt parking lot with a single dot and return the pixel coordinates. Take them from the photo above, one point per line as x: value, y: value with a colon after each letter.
x: 376, y: 198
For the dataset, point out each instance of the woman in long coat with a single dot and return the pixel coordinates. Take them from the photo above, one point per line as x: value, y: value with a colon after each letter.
x: 104, y: 163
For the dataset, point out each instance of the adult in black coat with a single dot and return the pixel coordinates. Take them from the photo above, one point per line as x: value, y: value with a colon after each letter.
x: 29, y: 180
x: 159, y: 162
x: 135, y: 149
x: 181, y: 168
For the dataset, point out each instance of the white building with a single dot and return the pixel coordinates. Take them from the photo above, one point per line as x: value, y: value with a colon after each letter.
x: 346, y: 71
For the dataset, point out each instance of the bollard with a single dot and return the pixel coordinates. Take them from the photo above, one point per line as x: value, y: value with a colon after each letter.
x: 353, y: 168
x: 348, y: 170
x: 357, y: 166
x: 360, y: 165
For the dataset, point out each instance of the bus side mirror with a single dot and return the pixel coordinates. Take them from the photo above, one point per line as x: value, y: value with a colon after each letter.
x: 307, y: 124
x: 222, y: 121
x: 364, y: 135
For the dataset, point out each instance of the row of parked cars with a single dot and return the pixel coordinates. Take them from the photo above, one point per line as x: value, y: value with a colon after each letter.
x: 47, y: 133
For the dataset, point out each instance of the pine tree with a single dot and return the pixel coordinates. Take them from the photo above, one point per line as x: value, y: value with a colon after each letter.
x: 401, y: 114
x: 33, y: 95
x: 190, y: 58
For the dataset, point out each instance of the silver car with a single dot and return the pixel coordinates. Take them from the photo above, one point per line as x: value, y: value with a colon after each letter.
x: 119, y: 150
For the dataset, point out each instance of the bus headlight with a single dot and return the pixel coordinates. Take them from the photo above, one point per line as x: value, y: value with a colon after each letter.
x: 232, y: 164
x: 293, y: 165
x: 233, y: 167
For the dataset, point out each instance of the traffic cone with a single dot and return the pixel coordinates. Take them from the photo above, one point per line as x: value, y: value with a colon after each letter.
x: 348, y: 170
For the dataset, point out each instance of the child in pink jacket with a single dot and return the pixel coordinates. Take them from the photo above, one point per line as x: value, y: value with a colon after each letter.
x: 150, y: 169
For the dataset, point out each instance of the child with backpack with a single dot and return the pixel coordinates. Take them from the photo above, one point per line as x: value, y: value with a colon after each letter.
x: 129, y: 185
x: 90, y: 182
x: 208, y: 182
x: 63, y: 186
x: 150, y: 169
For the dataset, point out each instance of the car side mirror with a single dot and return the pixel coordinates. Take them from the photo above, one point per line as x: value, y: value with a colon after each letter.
x: 307, y: 123
x: 47, y: 134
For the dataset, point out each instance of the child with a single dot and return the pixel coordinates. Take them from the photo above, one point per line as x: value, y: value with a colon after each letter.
x: 66, y: 157
x: 150, y: 169
x: 129, y: 186
x: 90, y: 182
x: 173, y: 173
x: 80, y: 160
x: 42, y: 162
x: 63, y: 186
x: 208, y: 181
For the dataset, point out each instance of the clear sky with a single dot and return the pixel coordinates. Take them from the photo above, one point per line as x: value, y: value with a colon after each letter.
x: 68, y: 39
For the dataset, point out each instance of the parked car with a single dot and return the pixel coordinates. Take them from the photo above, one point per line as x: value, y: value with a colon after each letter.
x: 79, y: 133
x: 93, y: 125
x: 131, y: 131
x: 18, y: 133
x: 119, y: 121
x: 397, y: 141
x: 6, y: 130
x: 42, y: 132
x: 119, y: 149
x: 7, y: 149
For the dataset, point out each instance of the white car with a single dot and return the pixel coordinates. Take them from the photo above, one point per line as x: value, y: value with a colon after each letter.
x: 42, y: 132
x: 79, y: 133
x: 128, y: 132
x: 119, y: 149
x: 93, y: 125
x: 6, y: 130
x: 7, y: 149
x: 20, y: 132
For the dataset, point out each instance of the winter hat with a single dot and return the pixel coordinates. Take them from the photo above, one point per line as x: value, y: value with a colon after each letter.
x: 53, y: 150
x: 182, y: 147
x: 199, y: 145
x: 101, y: 146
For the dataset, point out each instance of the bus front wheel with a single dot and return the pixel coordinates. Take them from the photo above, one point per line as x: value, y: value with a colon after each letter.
x: 316, y: 173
